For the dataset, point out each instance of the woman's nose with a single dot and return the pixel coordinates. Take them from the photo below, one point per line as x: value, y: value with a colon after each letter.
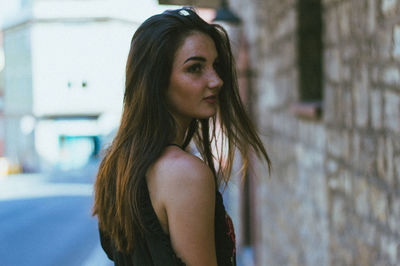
x: 215, y: 82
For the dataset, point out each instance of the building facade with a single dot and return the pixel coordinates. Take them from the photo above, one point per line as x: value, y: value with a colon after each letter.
x: 1, y: 95
x: 334, y: 194
x: 63, y: 80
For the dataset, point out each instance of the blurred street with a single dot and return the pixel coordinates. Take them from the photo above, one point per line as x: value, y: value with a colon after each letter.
x: 45, y: 219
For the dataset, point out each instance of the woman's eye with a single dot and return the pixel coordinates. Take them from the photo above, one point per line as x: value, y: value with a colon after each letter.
x: 216, y: 65
x: 196, y: 68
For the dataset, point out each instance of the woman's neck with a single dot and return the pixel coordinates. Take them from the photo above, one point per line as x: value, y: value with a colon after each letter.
x: 182, y: 126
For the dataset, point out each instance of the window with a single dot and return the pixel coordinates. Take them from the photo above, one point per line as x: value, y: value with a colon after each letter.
x: 309, y: 58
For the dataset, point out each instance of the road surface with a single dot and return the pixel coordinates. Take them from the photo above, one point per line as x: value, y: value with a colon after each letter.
x: 45, y: 221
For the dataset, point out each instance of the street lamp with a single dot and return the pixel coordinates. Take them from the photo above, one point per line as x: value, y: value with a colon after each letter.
x: 230, y: 22
x: 225, y: 15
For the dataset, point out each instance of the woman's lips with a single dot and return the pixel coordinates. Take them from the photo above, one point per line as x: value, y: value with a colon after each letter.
x: 211, y: 99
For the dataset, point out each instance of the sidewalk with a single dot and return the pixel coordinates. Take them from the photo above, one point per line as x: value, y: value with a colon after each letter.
x: 22, y: 186
x: 30, y: 186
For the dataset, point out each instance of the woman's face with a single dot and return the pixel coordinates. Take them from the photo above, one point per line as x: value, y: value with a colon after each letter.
x: 194, y: 83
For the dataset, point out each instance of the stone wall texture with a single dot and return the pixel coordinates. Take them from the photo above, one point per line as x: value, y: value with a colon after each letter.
x: 334, y: 194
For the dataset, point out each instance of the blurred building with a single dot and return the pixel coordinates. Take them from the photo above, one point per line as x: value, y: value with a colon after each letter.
x: 323, y: 82
x: 1, y: 96
x: 63, y: 79
x: 325, y: 95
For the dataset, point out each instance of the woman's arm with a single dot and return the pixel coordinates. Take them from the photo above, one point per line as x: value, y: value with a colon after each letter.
x: 188, y: 196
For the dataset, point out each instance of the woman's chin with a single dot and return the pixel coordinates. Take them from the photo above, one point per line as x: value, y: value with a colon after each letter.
x: 209, y: 114
x: 206, y: 117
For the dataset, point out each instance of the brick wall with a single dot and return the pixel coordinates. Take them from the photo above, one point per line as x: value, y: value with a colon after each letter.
x: 334, y: 195
x: 291, y: 212
x: 362, y: 123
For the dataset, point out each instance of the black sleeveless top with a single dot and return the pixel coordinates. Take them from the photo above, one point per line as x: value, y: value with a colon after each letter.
x: 155, y: 249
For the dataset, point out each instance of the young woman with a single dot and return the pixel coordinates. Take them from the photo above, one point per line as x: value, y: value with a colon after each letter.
x: 156, y: 203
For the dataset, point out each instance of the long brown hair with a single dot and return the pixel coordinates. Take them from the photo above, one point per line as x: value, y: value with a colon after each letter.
x: 147, y: 126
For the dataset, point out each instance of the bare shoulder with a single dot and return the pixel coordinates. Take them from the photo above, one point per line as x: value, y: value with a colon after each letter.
x: 185, y: 188
x: 178, y: 181
x: 176, y: 168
